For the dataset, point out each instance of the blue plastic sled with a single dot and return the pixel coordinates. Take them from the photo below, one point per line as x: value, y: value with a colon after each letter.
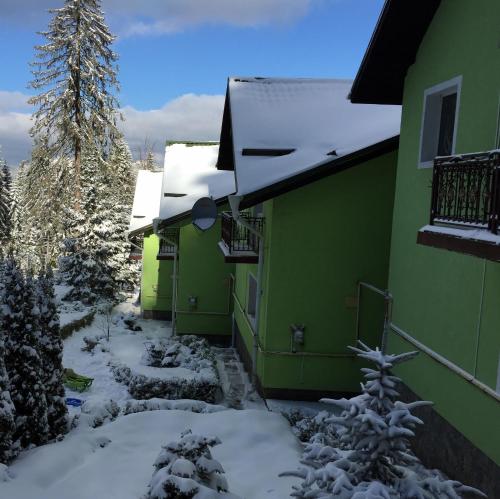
x: 74, y: 402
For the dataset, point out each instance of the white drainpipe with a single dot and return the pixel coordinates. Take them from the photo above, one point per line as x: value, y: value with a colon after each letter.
x: 234, y: 203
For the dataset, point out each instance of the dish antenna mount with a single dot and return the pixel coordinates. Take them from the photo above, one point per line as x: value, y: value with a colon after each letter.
x: 204, y: 213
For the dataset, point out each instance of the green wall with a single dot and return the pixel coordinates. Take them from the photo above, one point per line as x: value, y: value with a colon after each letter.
x: 156, y: 282
x: 437, y: 293
x: 203, y: 274
x: 320, y: 241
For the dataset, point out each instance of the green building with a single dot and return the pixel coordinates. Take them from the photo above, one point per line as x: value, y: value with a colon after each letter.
x: 201, y: 299
x: 156, y: 274
x: 310, y: 219
x: 441, y: 61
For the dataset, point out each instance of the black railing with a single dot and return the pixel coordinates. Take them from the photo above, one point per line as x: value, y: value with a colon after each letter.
x: 167, y: 247
x: 466, y: 191
x: 237, y: 237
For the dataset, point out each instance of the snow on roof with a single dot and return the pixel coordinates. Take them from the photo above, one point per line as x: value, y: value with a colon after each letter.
x: 190, y: 174
x: 146, y: 200
x: 311, y: 116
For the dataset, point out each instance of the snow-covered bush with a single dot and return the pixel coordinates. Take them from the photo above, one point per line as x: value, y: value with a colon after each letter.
x: 90, y: 342
x: 99, y: 412
x: 186, y: 469
x: 373, y: 459
x: 189, y: 351
x: 306, y: 427
x: 196, y: 406
x: 205, y: 388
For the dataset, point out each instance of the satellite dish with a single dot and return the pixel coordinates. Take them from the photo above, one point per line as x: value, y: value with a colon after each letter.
x: 204, y: 213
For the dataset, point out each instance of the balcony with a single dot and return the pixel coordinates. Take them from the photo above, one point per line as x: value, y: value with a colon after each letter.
x: 465, y: 205
x: 167, y: 249
x: 238, y: 243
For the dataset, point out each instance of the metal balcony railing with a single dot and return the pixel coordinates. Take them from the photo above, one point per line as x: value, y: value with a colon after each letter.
x: 239, y: 238
x: 466, y: 191
x: 166, y: 247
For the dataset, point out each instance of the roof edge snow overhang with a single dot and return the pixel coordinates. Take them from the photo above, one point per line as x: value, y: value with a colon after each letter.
x: 167, y: 222
x: 225, y: 160
x: 323, y: 170
x: 392, y: 50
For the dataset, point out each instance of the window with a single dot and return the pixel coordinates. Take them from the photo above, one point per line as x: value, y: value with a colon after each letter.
x: 258, y: 210
x: 439, y: 121
x: 252, y: 297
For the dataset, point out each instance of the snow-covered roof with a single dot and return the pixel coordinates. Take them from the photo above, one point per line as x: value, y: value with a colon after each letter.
x: 190, y: 174
x: 313, y: 117
x: 146, y: 200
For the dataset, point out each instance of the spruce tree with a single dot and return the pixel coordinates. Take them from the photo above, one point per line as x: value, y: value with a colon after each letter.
x: 20, y: 319
x: 75, y: 72
x: 51, y: 352
x: 5, y: 203
x: 7, y: 411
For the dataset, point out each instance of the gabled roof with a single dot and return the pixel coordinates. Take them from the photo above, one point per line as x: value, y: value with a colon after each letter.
x: 392, y: 50
x: 190, y: 174
x: 146, y: 201
x: 276, y: 130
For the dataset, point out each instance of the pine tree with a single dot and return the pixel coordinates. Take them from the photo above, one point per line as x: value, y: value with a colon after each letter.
x: 20, y: 318
x: 149, y: 164
x: 121, y: 170
x: 5, y: 204
x: 75, y: 73
x: 373, y: 458
x: 51, y: 351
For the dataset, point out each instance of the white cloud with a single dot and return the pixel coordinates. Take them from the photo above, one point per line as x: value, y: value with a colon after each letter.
x: 14, y: 126
x: 170, y: 16
x: 189, y: 117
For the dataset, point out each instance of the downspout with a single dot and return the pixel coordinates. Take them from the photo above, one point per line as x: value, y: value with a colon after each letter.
x: 234, y: 203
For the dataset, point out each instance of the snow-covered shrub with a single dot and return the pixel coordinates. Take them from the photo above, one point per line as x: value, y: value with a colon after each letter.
x: 51, y: 352
x: 99, y: 412
x: 196, y: 406
x: 306, y: 427
x: 90, y: 342
x: 373, y: 459
x: 186, y: 469
x: 205, y: 388
x: 189, y: 351
x: 127, y: 321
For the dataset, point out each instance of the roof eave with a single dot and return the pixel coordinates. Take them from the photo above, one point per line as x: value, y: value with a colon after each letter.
x: 324, y: 170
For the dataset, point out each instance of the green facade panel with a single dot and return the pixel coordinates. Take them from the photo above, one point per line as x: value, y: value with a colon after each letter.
x: 156, y: 280
x: 450, y: 301
x: 320, y: 240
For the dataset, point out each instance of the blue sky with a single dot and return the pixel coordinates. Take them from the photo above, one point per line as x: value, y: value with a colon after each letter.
x: 175, y: 56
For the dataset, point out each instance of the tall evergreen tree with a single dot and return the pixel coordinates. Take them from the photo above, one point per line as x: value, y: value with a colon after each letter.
x: 5, y: 203
x: 20, y: 318
x: 7, y: 411
x: 51, y: 351
x: 75, y: 73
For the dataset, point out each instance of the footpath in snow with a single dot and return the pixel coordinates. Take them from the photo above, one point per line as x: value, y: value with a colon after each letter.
x: 115, y: 460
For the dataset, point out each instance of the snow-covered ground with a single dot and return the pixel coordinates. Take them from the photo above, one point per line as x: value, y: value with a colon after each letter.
x: 116, y: 459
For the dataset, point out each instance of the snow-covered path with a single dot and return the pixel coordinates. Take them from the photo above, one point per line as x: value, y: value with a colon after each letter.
x: 115, y: 461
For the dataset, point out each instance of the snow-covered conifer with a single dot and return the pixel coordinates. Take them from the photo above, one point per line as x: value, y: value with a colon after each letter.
x: 374, y: 457
x: 186, y: 469
x: 75, y: 72
x: 20, y: 319
x: 5, y: 203
x: 7, y: 411
x: 51, y: 351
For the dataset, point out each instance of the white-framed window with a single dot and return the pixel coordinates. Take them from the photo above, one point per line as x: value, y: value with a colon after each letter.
x: 252, y: 298
x: 439, y: 121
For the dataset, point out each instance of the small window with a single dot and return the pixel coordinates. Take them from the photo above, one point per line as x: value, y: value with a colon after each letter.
x: 252, y: 297
x: 439, y: 122
x: 258, y: 210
